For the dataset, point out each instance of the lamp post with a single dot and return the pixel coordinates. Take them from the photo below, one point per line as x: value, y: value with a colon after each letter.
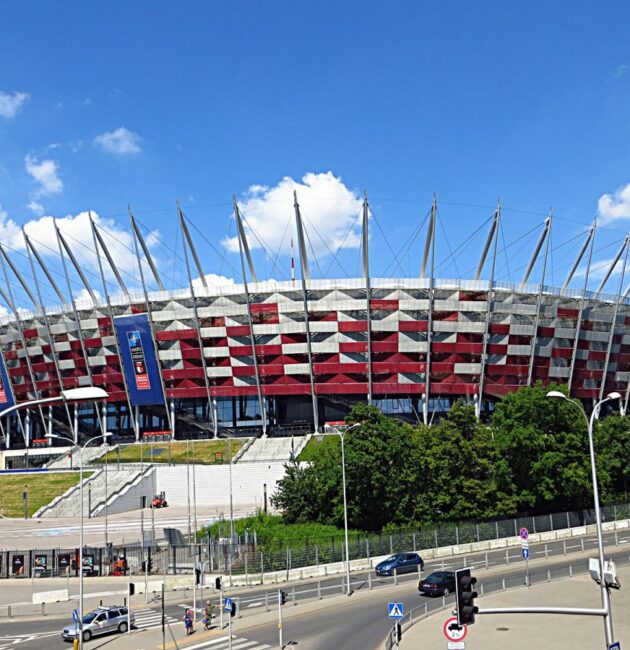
x: 342, y: 435
x: 608, y: 627
x: 86, y: 393
x: 82, y: 448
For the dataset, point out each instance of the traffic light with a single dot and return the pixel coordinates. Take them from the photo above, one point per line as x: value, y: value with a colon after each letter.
x: 217, y: 584
x: 283, y: 597
x: 398, y: 632
x: 465, y: 594
x: 233, y: 609
x: 197, y: 576
x: 132, y: 588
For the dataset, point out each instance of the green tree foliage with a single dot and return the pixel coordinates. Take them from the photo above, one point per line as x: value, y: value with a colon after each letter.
x: 543, y: 445
x: 534, y: 457
x: 464, y: 479
x: 612, y: 444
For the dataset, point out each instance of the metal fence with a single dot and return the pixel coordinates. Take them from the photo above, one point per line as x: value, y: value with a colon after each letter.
x: 485, y: 588
x: 248, y: 558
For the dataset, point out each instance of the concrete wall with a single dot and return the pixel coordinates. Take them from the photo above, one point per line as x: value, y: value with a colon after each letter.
x: 130, y: 498
x: 213, y: 483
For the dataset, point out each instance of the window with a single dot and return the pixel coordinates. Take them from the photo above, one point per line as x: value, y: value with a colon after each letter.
x: 113, y: 613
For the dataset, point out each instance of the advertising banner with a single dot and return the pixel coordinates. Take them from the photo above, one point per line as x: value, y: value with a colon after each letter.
x: 6, y: 394
x: 139, y: 362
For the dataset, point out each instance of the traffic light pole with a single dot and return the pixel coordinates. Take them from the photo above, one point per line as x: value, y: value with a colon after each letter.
x: 572, y: 611
x: 281, y: 645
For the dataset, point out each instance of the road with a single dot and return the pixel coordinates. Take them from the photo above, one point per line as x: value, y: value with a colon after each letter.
x: 356, y: 622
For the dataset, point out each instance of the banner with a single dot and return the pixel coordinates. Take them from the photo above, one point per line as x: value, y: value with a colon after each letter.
x: 6, y: 394
x: 139, y: 362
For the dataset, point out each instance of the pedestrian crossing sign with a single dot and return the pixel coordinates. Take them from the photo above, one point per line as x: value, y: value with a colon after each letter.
x: 395, y: 610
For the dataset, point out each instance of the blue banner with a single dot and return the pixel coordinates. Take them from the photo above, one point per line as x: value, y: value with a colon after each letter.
x: 6, y: 393
x: 139, y: 362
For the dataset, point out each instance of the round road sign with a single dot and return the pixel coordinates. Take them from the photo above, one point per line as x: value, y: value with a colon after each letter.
x: 524, y: 533
x: 452, y: 631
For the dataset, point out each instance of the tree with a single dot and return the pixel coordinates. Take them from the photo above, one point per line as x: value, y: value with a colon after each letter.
x: 543, y: 444
x: 463, y: 478
x: 612, y: 445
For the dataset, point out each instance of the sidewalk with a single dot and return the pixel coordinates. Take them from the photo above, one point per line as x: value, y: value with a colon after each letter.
x: 527, y: 631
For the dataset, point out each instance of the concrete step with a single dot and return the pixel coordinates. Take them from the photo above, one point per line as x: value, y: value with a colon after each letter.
x: 94, y: 490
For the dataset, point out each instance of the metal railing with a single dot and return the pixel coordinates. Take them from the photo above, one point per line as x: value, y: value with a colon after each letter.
x: 485, y: 588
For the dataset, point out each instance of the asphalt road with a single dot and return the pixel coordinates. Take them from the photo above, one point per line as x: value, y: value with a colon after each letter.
x: 349, y: 623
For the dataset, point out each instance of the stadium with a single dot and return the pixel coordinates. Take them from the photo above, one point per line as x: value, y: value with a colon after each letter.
x: 285, y: 357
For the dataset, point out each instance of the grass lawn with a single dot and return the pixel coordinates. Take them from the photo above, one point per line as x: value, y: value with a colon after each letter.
x: 42, y: 489
x: 315, y: 444
x: 175, y: 452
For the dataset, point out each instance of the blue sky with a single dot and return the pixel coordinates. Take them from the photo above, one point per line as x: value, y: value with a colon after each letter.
x: 105, y: 105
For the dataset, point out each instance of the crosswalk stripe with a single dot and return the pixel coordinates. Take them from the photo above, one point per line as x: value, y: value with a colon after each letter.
x: 238, y: 643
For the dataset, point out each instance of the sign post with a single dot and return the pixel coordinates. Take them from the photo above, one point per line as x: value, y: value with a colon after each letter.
x: 227, y: 606
x: 524, y: 535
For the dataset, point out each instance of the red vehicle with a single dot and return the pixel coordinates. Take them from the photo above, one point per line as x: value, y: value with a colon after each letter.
x: 159, y: 501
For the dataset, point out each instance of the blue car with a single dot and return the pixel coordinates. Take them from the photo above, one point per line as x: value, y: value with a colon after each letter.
x: 401, y: 563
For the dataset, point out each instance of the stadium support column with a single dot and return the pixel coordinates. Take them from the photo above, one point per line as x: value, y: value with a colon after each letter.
x: 493, y: 237
x: 137, y: 237
x: 546, y: 236
x: 10, y: 302
x: 32, y: 251
x: 613, y: 324
x: 96, y: 239
x: 429, y: 256
x: 75, y: 312
x: 305, y: 277
x: 244, y: 250
x: 578, y: 325
x: 368, y: 292
x: 188, y: 244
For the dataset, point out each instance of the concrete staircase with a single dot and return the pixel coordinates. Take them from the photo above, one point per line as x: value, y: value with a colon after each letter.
x: 265, y: 450
x: 89, y: 454
x: 68, y: 504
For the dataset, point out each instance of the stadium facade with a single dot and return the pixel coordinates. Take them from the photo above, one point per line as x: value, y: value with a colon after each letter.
x: 285, y: 357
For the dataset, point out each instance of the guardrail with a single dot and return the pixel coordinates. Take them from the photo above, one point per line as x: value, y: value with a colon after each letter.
x: 526, y: 579
x: 176, y: 589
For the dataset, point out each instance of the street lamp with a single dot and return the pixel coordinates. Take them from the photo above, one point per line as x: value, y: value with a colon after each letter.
x: 86, y: 393
x: 82, y: 448
x: 83, y: 394
x: 600, y: 540
x: 342, y: 435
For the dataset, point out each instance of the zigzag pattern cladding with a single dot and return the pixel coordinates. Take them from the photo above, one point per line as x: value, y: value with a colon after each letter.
x: 338, y: 319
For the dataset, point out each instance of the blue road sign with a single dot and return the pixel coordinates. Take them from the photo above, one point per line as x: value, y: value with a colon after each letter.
x: 615, y: 646
x: 75, y: 615
x: 395, y: 610
x: 525, y: 552
x: 227, y: 604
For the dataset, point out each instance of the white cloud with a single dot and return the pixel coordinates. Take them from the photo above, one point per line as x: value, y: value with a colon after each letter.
x: 327, y: 206
x: 11, y: 104
x: 214, y: 281
x: 121, y: 142
x: 615, y: 206
x: 45, y: 174
x: 36, y: 208
x: 78, y: 233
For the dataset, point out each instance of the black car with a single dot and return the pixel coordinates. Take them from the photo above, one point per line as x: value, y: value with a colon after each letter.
x: 440, y: 583
x: 401, y: 563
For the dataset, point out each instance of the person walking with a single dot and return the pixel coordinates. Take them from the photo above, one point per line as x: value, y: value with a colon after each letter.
x: 188, y: 622
x: 207, y: 618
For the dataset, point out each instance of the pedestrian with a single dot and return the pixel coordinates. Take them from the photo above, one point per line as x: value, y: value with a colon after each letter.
x: 188, y: 622
x: 207, y: 619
